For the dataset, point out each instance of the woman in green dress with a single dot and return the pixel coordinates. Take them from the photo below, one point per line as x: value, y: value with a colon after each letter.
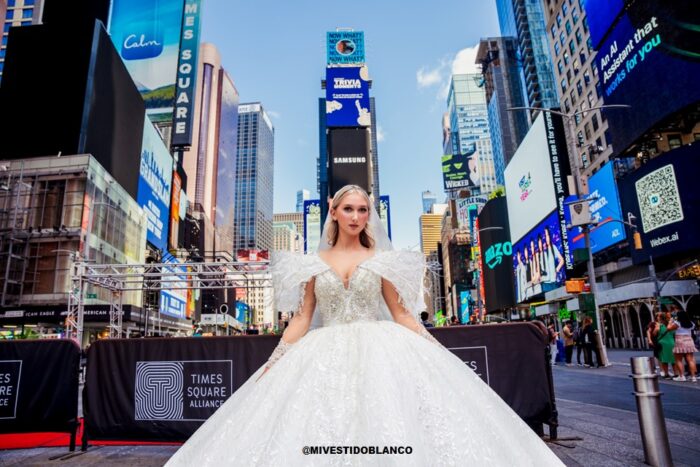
x: 664, y: 337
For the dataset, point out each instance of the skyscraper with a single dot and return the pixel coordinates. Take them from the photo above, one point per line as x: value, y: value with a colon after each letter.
x: 17, y: 13
x: 254, y: 179
x: 498, y: 57
x: 525, y: 21
x: 468, y: 115
x: 302, y: 195
x: 210, y: 163
x: 429, y: 199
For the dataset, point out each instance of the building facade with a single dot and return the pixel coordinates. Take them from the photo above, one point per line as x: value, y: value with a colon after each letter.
x: 17, y: 13
x: 525, y: 21
x: 302, y: 195
x: 254, y: 179
x: 468, y: 116
x: 288, y: 231
x: 428, y: 199
x: 498, y: 58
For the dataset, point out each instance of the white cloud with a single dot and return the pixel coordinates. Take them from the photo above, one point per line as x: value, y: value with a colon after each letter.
x: 427, y: 78
x: 273, y: 114
x: 463, y: 62
x: 380, y: 134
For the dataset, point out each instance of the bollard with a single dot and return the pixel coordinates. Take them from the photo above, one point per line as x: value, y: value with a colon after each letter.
x: 652, y: 425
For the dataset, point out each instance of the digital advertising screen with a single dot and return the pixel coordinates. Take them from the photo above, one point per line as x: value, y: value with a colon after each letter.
x: 385, y: 213
x: 349, y: 161
x: 604, y: 203
x: 345, y: 47
x: 600, y: 15
x: 155, y: 180
x: 539, y: 265
x: 146, y: 33
x: 347, y: 97
x: 650, y: 60
x: 461, y: 170
x: 173, y: 302
x: 529, y: 182
x: 496, y: 255
x: 664, y: 198
x: 312, y: 225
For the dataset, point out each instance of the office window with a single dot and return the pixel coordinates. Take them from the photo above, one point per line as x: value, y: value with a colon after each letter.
x: 563, y: 85
x: 574, y: 15
x: 594, y: 122
x: 557, y: 48
x: 560, y: 67
x: 566, y: 57
x: 27, y: 12
x: 554, y: 32
x: 565, y: 8
x: 562, y: 37
x: 674, y: 141
x: 568, y: 26
x: 579, y: 37
x: 579, y: 88
x: 559, y: 19
x: 572, y: 47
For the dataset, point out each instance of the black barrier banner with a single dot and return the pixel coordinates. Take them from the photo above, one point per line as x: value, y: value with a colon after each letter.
x: 38, y: 386
x: 510, y: 358
x: 164, y: 389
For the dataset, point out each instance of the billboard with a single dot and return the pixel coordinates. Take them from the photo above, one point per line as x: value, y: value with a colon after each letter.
x: 664, y: 197
x: 347, y: 97
x: 496, y: 255
x: 155, y: 178
x: 173, y: 302
x: 186, y: 75
x: 174, y: 211
x: 600, y: 15
x: 539, y: 263
x: 466, y: 209
x: 345, y: 48
x: 146, y: 33
x: 348, y: 158
x: 465, y: 305
x: 604, y: 203
x: 461, y: 170
x: 312, y: 225
x: 649, y: 60
x: 385, y: 213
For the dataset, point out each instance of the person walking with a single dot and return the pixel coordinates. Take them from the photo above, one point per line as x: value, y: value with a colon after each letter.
x: 568, y: 342
x: 553, y: 337
x: 578, y: 340
x: 684, y: 348
x: 664, y: 338
x: 588, y: 342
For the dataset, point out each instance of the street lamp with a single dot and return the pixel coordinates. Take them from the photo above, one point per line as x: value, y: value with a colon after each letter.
x: 570, y: 120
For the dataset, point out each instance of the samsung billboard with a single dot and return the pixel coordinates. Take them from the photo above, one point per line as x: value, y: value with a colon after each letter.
x: 349, y: 161
x: 649, y: 60
x: 345, y: 48
x: 664, y: 198
x: 606, y: 212
x: 146, y: 33
x: 154, y: 191
x: 347, y: 97
x: 496, y: 255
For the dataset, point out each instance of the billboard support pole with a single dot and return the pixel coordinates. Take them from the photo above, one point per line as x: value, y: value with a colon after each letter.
x: 570, y: 121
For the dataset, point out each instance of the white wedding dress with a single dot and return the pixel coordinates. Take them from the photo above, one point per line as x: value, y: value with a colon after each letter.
x: 362, y: 381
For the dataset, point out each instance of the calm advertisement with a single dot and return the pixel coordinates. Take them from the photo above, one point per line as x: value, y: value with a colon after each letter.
x: 604, y: 202
x: 347, y: 97
x: 155, y: 185
x: 146, y: 33
x: 496, y: 255
x: 539, y: 265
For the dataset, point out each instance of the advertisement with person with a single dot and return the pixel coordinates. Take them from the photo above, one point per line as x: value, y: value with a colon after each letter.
x: 530, y: 191
x: 649, y: 60
x: 461, y: 170
x: 155, y: 182
x: 606, y: 212
x: 385, y: 213
x: 146, y: 33
x: 312, y: 225
x: 663, y: 197
x: 347, y: 97
x: 345, y: 47
x: 539, y: 265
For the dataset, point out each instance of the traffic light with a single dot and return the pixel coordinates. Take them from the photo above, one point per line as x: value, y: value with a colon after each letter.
x: 637, y: 240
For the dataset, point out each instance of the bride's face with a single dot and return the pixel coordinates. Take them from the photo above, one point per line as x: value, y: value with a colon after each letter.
x: 352, y: 214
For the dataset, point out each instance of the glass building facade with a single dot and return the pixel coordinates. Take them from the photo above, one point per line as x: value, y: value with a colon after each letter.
x: 468, y: 114
x: 525, y: 21
x: 254, y: 179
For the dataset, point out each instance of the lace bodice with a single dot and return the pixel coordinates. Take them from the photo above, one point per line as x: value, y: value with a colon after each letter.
x: 360, y: 301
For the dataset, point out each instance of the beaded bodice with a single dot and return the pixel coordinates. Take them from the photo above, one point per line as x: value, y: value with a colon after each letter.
x: 359, y: 301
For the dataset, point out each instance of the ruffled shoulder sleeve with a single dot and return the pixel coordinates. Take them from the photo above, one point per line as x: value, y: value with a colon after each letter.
x: 406, y: 271
x: 290, y: 273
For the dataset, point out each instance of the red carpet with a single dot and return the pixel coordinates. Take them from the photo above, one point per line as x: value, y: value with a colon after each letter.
x: 45, y: 440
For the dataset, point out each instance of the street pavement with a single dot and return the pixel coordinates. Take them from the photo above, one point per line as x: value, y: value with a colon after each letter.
x: 598, y: 424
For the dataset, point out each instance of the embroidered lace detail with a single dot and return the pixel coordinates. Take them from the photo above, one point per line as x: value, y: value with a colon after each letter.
x: 359, y: 301
x: 280, y: 350
x: 290, y: 274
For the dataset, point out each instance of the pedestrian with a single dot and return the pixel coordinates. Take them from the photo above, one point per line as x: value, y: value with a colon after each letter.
x: 578, y: 341
x: 424, y: 319
x: 553, y: 336
x: 664, y: 338
x: 684, y: 348
x: 651, y: 343
x: 453, y: 321
x: 588, y: 342
x: 568, y: 342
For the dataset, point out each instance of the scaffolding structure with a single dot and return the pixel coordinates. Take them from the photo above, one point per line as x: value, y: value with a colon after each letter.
x: 120, y: 278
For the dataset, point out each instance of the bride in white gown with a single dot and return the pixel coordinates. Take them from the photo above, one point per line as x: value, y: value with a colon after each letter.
x: 370, y: 386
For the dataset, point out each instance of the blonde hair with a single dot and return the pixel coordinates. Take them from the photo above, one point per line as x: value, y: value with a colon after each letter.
x: 366, y: 237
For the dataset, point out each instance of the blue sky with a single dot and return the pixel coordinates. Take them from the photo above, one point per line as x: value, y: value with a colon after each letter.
x: 275, y: 53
